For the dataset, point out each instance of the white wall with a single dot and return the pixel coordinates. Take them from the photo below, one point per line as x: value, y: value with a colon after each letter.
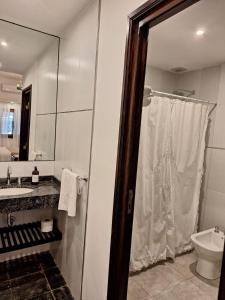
x: 205, y: 83
x: 160, y: 80
x: 43, y: 77
x: 25, y: 168
x: 112, y: 39
x: 209, y: 85
x: 10, y: 79
x: 213, y: 207
x: 74, y: 128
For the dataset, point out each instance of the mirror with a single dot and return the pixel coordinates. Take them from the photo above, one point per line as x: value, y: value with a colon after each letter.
x: 28, y: 93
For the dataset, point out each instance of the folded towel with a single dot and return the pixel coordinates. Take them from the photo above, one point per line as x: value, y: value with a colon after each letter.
x: 69, y: 192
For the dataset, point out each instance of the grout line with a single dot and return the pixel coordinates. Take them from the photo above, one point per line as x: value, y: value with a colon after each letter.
x: 8, y: 281
x: 215, y: 148
x: 19, y: 277
x: 57, y: 99
x: 172, y: 286
x: 74, y: 111
x: 59, y: 287
x: 53, y: 295
x: 51, y: 290
x: 46, y: 114
x: 46, y: 279
x: 11, y: 292
x: 42, y: 271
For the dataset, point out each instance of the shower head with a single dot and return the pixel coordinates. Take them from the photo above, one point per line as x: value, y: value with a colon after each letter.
x: 147, y: 96
x: 146, y: 101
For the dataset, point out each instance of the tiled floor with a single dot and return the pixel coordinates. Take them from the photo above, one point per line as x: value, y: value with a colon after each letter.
x: 34, y: 277
x: 172, y: 281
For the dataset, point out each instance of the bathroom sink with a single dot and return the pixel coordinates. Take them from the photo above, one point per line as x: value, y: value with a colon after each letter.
x: 14, y: 191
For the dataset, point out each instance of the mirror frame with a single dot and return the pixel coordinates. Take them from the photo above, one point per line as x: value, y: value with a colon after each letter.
x: 141, y: 20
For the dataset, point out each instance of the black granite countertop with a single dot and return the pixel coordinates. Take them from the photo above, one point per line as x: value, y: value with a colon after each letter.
x: 45, y: 194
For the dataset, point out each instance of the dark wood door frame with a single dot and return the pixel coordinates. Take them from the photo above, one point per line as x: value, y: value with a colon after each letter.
x: 25, y: 123
x: 140, y: 21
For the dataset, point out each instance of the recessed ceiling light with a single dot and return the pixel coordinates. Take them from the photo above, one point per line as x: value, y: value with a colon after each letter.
x: 200, y: 32
x: 4, y: 44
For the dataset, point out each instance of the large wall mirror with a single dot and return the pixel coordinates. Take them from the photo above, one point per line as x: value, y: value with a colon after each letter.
x: 28, y: 93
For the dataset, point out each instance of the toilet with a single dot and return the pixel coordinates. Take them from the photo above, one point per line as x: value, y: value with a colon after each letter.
x: 209, y: 247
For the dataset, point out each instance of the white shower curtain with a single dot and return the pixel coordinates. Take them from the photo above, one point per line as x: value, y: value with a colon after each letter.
x: 169, y: 176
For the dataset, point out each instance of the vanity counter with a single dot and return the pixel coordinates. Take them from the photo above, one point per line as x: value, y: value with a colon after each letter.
x: 45, y: 194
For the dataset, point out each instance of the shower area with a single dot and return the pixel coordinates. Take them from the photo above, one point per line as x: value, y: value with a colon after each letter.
x: 169, y: 177
x: 178, y: 224
x: 171, y: 199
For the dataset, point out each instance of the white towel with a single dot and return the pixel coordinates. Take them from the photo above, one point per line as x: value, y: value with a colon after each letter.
x: 69, y: 192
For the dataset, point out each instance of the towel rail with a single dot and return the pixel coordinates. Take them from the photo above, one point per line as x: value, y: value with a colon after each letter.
x: 79, y: 177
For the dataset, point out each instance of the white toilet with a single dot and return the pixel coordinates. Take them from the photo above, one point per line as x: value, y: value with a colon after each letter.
x: 209, y: 247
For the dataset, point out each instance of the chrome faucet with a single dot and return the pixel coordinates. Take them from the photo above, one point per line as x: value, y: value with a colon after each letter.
x: 19, y: 181
x: 9, y: 172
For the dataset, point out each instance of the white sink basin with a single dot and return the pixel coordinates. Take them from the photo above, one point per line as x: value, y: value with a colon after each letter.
x: 14, y: 191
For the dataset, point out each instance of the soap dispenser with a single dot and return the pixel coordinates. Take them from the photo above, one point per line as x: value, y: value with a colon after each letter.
x: 35, y: 176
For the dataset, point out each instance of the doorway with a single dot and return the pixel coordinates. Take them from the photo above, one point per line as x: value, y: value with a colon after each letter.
x: 141, y: 22
x: 25, y: 123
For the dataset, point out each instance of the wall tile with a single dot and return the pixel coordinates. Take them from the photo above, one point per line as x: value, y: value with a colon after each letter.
x: 160, y: 80
x: 214, y: 210
x: 70, y: 251
x: 190, y: 81
x: 23, y: 217
x: 47, y: 80
x: 25, y: 168
x: 70, y: 262
x: 73, y: 140
x: 43, y: 77
x: 219, y: 127
x: 74, y: 126
x: 211, y: 128
x: 209, y: 83
x: 221, y: 96
x: 77, y: 61
x: 217, y: 171
x: 45, y: 136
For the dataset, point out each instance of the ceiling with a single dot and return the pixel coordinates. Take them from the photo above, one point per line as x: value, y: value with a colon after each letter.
x: 25, y: 45
x: 50, y: 16
x: 174, y: 43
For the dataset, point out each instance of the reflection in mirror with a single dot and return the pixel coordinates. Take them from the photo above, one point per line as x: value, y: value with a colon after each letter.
x: 28, y: 92
x: 178, y: 227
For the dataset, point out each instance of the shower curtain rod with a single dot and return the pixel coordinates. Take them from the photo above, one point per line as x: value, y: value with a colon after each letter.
x: 181, y: 97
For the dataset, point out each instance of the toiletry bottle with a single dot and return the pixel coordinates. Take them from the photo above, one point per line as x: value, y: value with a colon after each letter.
x: 35, y: 176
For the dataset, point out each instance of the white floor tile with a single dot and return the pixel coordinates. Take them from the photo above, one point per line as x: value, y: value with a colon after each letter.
x: 176, y: 280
